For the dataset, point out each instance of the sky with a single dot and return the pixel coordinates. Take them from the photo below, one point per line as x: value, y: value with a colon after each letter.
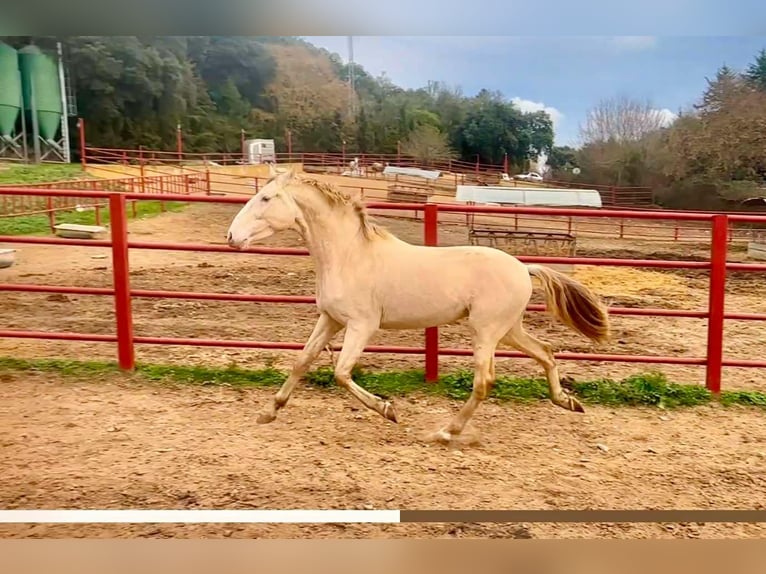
x: 566, y: 76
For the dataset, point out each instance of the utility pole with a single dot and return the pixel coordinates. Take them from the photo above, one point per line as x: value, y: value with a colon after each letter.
x: 351, y: 79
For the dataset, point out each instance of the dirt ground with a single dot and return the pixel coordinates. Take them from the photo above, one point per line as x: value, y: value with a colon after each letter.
x: 122, y: 444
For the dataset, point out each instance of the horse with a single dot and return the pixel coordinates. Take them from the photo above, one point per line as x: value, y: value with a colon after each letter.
x: 369, y: 279
x: 377, y: 167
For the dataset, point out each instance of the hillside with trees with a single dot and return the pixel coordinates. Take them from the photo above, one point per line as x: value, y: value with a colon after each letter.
x: 134, y: 91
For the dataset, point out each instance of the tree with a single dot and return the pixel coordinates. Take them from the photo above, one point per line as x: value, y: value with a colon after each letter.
x: 490, y: 130
x: 134, y: 90
x: 756, y: 72
x: 236, y: 59
x: 562, y: 158
x: 616, y: 140
x: 362, y: 131
x: 719, y: 91
x: 621, y: 119
x: 537, y: 133
x: 725, y: 142
x: 427, y: 144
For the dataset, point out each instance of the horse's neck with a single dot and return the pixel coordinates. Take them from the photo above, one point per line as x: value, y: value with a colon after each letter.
x: 331, y: 237
x: 332, y: 246
x: 334, y: 238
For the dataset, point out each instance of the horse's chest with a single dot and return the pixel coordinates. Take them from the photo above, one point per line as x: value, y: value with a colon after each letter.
x: 342, y: 300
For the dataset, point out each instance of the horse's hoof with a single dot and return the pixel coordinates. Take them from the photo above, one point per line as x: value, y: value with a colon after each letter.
x: 265, y: 418
x: 569, y: 403
x: 441, y: 436
x: 389, y: 412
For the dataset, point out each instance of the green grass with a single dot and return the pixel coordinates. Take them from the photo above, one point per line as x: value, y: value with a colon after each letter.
x: 39, y: 224
x: 21, y: 173
x: 644, y: 390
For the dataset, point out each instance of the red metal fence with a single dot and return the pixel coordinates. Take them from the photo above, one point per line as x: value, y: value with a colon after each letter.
x: 19, y: 206
x: 201, y: 180
x: 126, y: 340
x: 465, y: 173
x: 614, y: 196
x: 316, y: 159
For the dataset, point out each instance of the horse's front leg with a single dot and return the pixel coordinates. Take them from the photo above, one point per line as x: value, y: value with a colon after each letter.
x: 356, y: 337
x: 324, y: 330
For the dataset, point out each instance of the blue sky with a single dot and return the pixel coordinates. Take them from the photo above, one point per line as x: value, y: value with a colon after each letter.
x: 565, y: 75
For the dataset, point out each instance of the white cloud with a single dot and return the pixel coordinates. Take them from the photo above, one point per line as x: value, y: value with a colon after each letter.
x: 530, y: 106
x: 668, y: 117
x: 634, y: 43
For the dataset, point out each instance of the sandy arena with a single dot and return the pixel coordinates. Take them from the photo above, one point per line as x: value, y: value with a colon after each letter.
x: 123, y: 443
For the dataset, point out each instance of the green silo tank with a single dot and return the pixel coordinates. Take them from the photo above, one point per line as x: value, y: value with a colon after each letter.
x: 36, y: 66
x: 10, y: 89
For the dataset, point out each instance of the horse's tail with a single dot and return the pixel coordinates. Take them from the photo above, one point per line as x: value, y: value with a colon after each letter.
x: 573, y: 303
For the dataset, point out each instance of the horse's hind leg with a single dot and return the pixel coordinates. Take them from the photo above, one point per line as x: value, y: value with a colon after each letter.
x: 541, y: 352
x: 324, y: 330
x: 484, y: 346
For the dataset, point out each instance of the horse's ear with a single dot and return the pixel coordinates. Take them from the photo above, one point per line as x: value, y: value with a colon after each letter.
x: 273, y: 170
x: 285, y: 175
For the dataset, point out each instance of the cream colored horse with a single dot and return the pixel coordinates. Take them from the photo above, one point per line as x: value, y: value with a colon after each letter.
x: 368, y: 279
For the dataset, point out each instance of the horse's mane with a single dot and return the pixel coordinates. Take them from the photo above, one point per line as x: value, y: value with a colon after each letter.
x: 335, y: 196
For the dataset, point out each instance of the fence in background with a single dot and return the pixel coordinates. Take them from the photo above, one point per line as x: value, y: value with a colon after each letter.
x: 126, y: 340
x: 20, y: 206
x: 455, y: 172
x: 206, y: 180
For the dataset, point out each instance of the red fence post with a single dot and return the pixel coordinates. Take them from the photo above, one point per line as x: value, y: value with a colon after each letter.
x: 141, y: 168
x: 51, y: 214
x: 81, y: 131
x: 715, y: 322
x: 179, y: 143
x: 126, y: 355
x: 431, y: 237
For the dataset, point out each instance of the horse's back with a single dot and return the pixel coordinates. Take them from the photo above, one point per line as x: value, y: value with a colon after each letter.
x: 419, y: 285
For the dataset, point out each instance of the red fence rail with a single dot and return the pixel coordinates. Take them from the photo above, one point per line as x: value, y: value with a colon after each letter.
x: 200, y: 179
x: 19, y: 206
x: 122, y: 292
x: 205, y: 180
x: 326, y: 159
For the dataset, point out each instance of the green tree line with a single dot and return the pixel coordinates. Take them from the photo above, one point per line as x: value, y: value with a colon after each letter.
x: 134, y: 90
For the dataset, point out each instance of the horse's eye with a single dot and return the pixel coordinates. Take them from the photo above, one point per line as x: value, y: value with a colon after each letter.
x: 265, y: 199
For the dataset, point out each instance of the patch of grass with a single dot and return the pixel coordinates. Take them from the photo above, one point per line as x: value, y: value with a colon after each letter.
x: 39, y: 224
x: 22, y: 173
x: 644, y: 390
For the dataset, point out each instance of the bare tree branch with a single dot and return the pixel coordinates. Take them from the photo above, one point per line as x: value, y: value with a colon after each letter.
x: 622, y: 120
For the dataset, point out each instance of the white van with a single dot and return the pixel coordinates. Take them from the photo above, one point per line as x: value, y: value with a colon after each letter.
x: 260, y: 151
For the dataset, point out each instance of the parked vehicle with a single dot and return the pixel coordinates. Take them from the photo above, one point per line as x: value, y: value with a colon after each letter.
x: 531, y: 176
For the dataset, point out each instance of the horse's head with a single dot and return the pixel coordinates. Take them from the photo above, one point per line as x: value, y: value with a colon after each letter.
x: 269, y: 211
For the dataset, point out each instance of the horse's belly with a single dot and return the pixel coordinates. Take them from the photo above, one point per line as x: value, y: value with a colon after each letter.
x: 400, y: 317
